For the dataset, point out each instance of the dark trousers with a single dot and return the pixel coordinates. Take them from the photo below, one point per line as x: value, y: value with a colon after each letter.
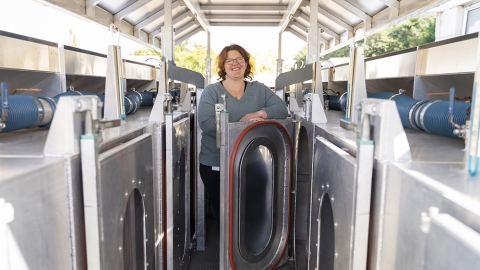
x: 211, y: 181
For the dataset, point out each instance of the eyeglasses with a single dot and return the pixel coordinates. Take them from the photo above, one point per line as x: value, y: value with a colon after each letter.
x: 239, y: 60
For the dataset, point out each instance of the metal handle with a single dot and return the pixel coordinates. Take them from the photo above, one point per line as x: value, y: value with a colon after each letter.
x: 218, y: 108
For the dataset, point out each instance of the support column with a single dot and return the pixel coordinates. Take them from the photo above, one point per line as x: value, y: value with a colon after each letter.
x: 208, y: 67
x: 167, y: 33
x: 313, y: 34
x: 279, y: 58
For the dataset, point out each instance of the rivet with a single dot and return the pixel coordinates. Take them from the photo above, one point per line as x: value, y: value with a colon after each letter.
x: 328, y: 185
x: 120, y: 248
x: 126, y: 193
x: 332, y: 199
x: 121, y: 219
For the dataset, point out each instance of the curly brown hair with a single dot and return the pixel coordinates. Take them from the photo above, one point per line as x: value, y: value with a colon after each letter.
x: 223, y: 56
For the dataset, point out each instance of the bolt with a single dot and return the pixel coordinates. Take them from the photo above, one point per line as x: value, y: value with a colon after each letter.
x: 79, y: 105
x: 328, y: 186
x: 332, y: 199
x: 121, y: 219
x: 374, y: 109
x: 336, y: 224
x: 120, y: 248
x: 126, y: 193
x: 323, y: 187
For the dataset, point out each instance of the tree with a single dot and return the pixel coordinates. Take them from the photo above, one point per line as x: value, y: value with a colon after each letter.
x: 148, y: 52
x: 192, y: 56
x: 300, y: 58
x: 187, y: 55
x: 411, y: 33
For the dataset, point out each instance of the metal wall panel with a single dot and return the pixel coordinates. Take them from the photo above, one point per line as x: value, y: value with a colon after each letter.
x: 123, y: 170
x: 47, y: 230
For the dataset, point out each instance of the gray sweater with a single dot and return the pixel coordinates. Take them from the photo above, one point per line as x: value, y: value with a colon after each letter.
x: 257, y: 96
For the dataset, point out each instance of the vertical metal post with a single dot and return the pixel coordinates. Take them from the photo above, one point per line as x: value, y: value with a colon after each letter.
x: 167, y: 33
x: 200, y: 189
x: 115, y: 85
x: 169, y: 187
x: 279, y: 59
x: 224, y: 191
x: 208, y: 67
x: 313, y: 34
x: 356, y: 88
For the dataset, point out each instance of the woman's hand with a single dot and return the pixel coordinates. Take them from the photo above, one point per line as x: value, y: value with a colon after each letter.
x: 255, y: 116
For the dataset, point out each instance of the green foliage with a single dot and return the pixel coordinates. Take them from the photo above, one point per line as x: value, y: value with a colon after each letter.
x: 192, y: 56
x: 342, y: 52
x: 300, y: 58
x: 187, y: 55
x: 412, y: 33
x: 147, y: 52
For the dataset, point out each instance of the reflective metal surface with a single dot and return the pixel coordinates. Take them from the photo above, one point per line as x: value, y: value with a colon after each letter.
x: 301, y: 189
x: 258, y: 225
x: 45, y: 229
x: 117, y: 183
x: 178, y: 230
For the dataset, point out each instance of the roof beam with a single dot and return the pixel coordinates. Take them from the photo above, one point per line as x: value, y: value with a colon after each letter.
x: 297, y: 34
x: 180, y: 39
x: 304, y: 29
x: 354, y: 10
x: 327, y: 30
x: 244, y: 7
x: 245, y: 17
x: 153, y: 17
x: 180, y: 17
x: 129, y: 10
x: 197, y: 13
x: 288, y: 15
x: 185, y: 27
x: 391, y: 3
x: 336, y: 20
x: 258, y: 24
x: 90, y: 3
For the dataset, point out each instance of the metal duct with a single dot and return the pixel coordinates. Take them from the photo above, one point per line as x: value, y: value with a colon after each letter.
x: 427, y: 115
x: 29, y: 112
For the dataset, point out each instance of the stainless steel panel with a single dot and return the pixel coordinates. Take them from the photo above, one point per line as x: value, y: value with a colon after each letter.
x: 139, y: 71
x: 446, y: 232
x: 47, y: 230
x: 200, y: 196
x: 399, y: 65
x: 341, y: 73
x: 178, y: 230
x: 22, y: 54
x: 271, y: 254
x: 450, y: 58
x: 334, y: 174
x: 409, y: 190
x: 80, y: 62
x: 124, y: 171
x: 301, y: 189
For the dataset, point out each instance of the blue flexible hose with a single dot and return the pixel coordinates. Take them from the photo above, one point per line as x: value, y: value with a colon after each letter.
x: 22, y: 112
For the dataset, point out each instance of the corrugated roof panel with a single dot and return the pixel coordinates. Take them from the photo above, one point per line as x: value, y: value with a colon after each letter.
x: 371, y: 7
x: 145, y: 11
x: 115, y: 6
x: 338, y: 12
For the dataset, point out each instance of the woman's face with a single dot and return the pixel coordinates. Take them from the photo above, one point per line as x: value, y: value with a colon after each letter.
x: 235, y: 65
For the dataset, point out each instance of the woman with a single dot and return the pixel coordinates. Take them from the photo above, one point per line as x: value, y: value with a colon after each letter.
x: 246, y: 101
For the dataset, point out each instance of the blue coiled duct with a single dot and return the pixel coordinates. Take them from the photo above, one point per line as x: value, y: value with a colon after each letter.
x: 136, y: 99
x: 404, y: 105
x: 381, y: 95
x: 435, y: 118
x: 22, y: 112
x: 334, y: 103
x: 147, y: 98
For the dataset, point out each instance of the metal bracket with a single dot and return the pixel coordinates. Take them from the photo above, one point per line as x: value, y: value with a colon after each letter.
x: 186, y: 106
x: 391, y: 142
x: 75, y: 116
x: 220, y: 108
x: 161, y: 107
x: 314, y: 111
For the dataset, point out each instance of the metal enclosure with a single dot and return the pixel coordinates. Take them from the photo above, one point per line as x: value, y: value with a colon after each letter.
x: 178, y: 230
x: 256, y: 162
x: 302, y: 177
